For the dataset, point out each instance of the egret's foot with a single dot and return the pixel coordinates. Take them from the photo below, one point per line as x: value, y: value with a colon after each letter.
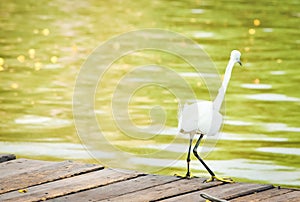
x: 225, y: 179
x: 187, y: 176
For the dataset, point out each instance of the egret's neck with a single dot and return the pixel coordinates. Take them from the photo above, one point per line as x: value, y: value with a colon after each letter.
x: 227, y: 75
x: 222, y: 90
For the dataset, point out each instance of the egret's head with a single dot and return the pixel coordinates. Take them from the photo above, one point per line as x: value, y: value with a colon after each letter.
x: 236, y: 55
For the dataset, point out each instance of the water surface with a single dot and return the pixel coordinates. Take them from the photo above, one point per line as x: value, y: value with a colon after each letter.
x: 44, y: 44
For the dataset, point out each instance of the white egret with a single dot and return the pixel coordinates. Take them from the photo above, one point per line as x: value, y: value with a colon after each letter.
x: 203, y: 118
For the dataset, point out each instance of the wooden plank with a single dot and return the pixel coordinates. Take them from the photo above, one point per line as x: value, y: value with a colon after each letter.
x: 68, y: 181
x: 263, y: 195
x: 118, y: 189
x: 68, y: 185
x: 166, y: 190
x: 7, y: 157
x: 226, y: 191
x: 293, y: 196
x: 18, y: 166
x: 44, y: 174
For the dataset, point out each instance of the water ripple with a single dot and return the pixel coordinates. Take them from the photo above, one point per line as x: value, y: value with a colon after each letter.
x: 42, y: 121
x: 280, y: 150
x: 272, y: 97
x: 256, y: 86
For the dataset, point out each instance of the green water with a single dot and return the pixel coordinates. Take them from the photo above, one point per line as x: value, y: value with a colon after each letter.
x: 44, y: 44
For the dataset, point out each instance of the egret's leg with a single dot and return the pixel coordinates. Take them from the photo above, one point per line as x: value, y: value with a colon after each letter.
x: 198, y: 157
x: 188, y: 159
x: 213, y: 176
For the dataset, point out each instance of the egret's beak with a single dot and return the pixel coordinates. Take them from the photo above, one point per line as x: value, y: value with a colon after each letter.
x: 240, y: 63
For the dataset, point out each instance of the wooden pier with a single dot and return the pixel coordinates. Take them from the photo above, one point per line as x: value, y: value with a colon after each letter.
x: 34, y: 180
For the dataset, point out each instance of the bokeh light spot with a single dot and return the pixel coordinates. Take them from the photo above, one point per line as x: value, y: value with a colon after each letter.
x: 251, y: 31
x: 53, y: 59
x: 256, y: 22
x: 21, y: 58
x: 46, y: 32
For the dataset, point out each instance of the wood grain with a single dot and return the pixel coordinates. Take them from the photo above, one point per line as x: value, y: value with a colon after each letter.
x: 24, y: 180
x: 46, y: 173
x: 68, y: 185
x: 119, y: 188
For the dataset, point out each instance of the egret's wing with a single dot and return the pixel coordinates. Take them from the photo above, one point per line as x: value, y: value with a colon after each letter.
x: 189, y: 117
x: 205, y: 113
x: 197, y: 117
x: 217, y: 121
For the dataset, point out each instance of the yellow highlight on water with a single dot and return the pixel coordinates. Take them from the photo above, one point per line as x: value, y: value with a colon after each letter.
x: 251, y: 31
x: 14, y: 86
x: 37, y: 66
x: 1, y: 64
x: 21, y: 58
x: 1, y: 61
x: 256, y: 22
x: 46, y: 32
x: 31, y: 53
x: 53, y: 59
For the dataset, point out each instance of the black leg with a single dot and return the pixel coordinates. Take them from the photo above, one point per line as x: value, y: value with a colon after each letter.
x: 188, y: 159
x: 198, y: 157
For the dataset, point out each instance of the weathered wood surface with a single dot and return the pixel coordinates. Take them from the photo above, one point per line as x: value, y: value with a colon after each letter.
x: 119, y: 188
x: 69, y: 185
x: 33, y: 180
x: 265, y: 195
x: 43, y: 174
x: 225, y: 191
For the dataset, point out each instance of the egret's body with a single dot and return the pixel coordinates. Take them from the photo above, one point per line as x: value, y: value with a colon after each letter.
x: 200, y: 118
x: 204, y: 118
